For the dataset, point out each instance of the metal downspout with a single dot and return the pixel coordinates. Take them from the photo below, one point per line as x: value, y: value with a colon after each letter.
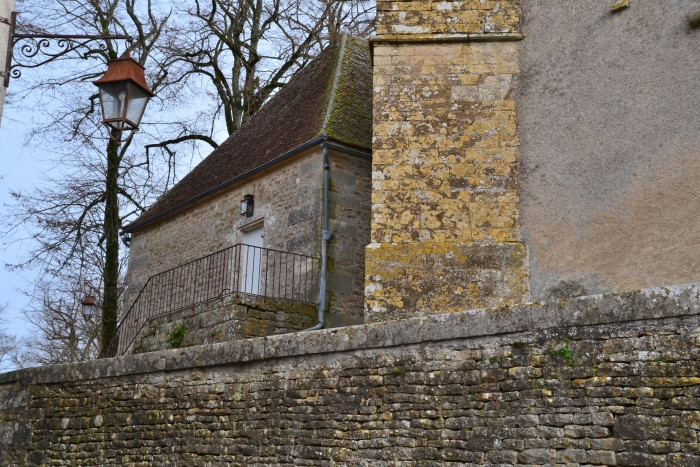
x: 326, y: 236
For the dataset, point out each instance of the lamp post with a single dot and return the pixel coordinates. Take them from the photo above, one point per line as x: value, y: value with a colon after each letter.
x: 124, y: 94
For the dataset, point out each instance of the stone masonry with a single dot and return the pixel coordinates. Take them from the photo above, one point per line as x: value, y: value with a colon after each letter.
x: 425, y: 17
x: 288, y: 201
x: 445, y: 215
x: 600, y: 380
x: 236, y: 317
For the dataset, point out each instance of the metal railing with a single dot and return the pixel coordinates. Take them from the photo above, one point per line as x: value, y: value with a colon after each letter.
x: 238, y: 269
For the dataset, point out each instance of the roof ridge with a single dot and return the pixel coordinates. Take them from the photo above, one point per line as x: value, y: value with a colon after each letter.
x: 334, y: 87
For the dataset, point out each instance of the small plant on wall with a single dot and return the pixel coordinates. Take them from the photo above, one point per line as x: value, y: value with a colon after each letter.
x: 176, y: 336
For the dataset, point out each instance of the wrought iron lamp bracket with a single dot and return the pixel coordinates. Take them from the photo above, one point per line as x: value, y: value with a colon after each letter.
x: 40, y: 44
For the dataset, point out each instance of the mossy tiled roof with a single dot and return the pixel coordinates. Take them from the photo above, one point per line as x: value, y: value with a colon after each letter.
x: 331, y: 97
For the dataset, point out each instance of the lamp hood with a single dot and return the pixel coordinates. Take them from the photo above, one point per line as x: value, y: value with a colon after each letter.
x: 125, y: 69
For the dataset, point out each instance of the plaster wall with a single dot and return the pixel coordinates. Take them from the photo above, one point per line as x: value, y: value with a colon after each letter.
x: 608, y: 113
x: 6, y: 7
x: 288, y: 202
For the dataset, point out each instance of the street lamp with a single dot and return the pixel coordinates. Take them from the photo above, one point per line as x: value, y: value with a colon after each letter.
x: 124, y: 94
x: 88, y: 307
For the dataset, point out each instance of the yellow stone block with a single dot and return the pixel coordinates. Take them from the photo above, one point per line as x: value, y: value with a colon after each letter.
x: 446, y: 223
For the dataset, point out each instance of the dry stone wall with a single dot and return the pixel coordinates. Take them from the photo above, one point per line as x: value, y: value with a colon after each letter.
x: 224, y: 320
x: 600, y: 380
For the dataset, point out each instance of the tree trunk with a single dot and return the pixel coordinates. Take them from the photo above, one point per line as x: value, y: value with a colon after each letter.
x: 110, y: 306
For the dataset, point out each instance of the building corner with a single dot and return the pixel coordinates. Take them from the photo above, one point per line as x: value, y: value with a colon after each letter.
x: 445, y: 199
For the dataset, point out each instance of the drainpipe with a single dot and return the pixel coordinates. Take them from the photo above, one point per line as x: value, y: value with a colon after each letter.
x: 325, y: 238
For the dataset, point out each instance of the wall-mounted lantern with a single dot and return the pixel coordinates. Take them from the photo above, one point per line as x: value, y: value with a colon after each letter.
x: 126, y: 238
x: 124, y: 94
x: 88, y: 307
x: 247, y: 206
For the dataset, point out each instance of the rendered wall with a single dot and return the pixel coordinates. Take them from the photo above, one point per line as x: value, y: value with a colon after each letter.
x: 288, y: 199
x: 602, y: 188
x: 445, y: 216
x: 6, y: 8
x: 603, y: 380
x: 608, y: 111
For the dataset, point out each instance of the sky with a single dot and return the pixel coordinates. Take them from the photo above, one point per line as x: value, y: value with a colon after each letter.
x: 20, y: 167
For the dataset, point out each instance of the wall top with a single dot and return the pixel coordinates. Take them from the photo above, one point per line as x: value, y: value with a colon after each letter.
x: 652, y: 303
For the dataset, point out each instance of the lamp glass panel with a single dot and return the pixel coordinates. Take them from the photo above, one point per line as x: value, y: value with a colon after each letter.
x: 113, y: 96
x: 137, y: 104
x: 244, y: 207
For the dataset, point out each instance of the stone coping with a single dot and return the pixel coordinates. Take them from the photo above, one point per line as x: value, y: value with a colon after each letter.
x: 645, y: 304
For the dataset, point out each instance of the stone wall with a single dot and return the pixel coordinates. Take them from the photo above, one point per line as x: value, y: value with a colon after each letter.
x: 224, y: 320
x: 288, y: 201
x: 349, y: 206
x: 445, y: 215
x: 600, y: 380
x: 286, y: 198
x: 447, y: 16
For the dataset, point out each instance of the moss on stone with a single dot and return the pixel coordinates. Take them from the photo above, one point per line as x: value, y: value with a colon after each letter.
x: 176, y: 336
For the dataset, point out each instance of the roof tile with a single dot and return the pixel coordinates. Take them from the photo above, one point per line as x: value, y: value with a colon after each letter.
x: 295, y: 115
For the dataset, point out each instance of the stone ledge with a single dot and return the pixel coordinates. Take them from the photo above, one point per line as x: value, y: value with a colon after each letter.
x: 432, y: 38
x: 645, y: 304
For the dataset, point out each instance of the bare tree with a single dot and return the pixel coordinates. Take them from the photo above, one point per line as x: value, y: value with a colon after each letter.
x: 8, y: 344
x: 73, y: 213
x: 243, y: 51
x: 62, y: 334
x: 237, y: 53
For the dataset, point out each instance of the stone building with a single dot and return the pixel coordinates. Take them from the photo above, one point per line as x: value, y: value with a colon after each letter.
x: 320, y: 121
x: 526, y: 150
x: 506, y: 167
x: 530, y: 151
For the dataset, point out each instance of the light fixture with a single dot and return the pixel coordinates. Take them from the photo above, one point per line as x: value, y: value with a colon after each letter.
x: 88, y: 307
x: 124, y: 94
x: 247, y: 206
x: 126, y: 238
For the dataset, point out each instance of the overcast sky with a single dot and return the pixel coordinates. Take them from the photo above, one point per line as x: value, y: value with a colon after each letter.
x: 19, y: 169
